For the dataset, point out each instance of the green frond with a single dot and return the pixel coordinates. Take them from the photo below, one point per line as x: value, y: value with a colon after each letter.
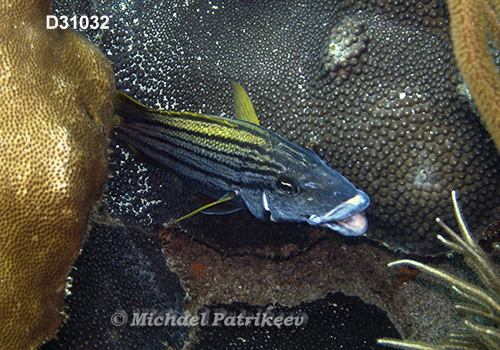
x: 406, y: 344
x: 481, y: 306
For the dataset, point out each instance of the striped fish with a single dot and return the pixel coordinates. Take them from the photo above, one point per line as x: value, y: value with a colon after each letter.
x: 238, y: 161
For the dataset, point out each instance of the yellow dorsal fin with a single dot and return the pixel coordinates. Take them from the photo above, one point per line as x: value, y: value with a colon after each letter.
x: 227, y: 197
x: 243, y: 108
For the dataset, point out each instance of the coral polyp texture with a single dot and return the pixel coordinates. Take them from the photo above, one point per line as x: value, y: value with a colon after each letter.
x: 372, y: 85
x: 56, y: 93
x: 120, y: 271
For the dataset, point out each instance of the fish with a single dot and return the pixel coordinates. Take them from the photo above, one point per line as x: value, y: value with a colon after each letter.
x: 239, y: 162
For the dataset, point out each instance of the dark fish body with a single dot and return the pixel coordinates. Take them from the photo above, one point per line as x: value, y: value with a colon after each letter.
x: 269, y: 175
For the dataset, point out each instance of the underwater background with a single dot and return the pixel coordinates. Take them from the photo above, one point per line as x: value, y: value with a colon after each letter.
x: 374, y: 88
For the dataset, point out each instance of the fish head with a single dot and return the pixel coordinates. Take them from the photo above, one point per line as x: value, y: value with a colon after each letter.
x: 308, y: 190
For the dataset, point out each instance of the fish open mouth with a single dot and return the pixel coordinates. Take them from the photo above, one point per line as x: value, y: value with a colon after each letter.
x: 347, y: 218
x: 355, y: 225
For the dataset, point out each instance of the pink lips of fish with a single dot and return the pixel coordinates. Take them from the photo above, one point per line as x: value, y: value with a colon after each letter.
x: 347, y: 218
x: 356, y: 223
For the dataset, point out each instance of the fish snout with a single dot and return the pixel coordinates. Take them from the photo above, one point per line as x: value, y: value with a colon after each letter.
x: 347, y: 218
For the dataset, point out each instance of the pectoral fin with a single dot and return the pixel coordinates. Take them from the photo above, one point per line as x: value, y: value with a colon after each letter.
x: 227, y: 197
x: 221, y: 209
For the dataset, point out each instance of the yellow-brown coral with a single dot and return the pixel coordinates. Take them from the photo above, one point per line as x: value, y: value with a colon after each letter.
x: 471, y: 23
x: 56, y: 93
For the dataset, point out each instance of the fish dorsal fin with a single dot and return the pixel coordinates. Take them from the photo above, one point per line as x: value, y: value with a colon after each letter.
x: 243, y: 108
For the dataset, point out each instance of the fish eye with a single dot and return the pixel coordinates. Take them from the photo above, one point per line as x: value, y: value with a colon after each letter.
x: 287, y: 186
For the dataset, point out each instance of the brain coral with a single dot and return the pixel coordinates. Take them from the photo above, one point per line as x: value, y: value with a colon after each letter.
x: 56, y: 93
